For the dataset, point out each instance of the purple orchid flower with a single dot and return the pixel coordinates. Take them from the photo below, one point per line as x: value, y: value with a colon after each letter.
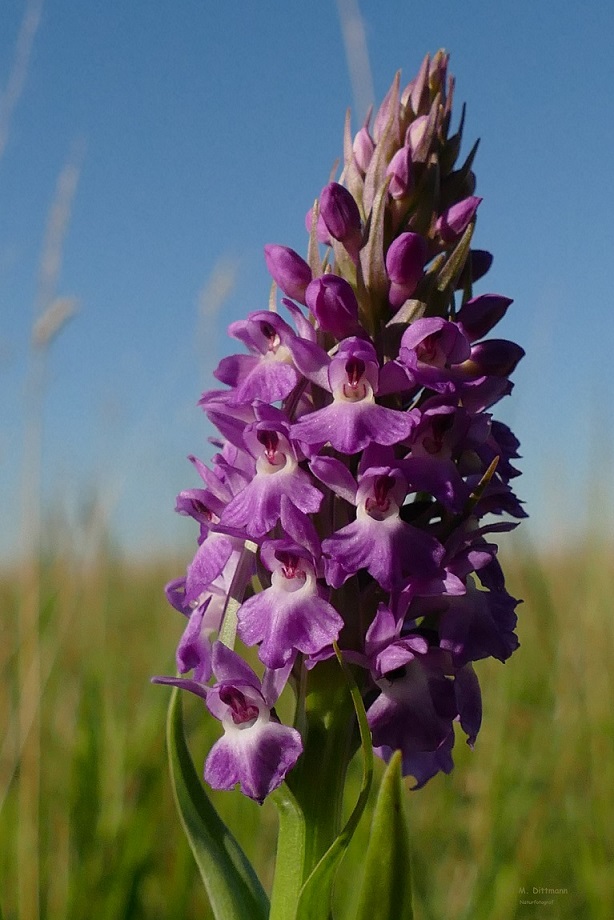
x: 416, y: 709
x: 378, y: 540
x: 256, y: 750
x: 258, y: 506
x: 353, y: 419
x: 268, y: 373
x: 291, y: 615
x: 430, y: 350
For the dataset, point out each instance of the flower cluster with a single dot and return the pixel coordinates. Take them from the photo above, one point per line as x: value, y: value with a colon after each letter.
x: 360, y: 474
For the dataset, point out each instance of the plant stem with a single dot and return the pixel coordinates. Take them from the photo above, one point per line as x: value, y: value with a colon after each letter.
x: 318, y: 781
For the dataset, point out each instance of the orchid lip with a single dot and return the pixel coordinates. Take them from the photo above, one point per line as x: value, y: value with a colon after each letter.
x: 379, y: 505
x: 271, y: 336
x: 274, y: 458
x: 241, y: 711
x: 357, y: 387
x: 271, y: 463
x: 299, y: 580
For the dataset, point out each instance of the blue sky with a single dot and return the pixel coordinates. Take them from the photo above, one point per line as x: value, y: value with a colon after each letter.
x: 200, y: 132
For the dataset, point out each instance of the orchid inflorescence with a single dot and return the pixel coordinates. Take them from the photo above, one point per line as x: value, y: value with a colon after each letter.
x: 360, y: 474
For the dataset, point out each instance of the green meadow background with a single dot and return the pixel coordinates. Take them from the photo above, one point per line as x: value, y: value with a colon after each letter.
x: 87, y: 821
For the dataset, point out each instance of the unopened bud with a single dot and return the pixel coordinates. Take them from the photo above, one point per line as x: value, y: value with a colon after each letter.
x: 404, y: 264
x: 400, y: 170
x: 478, y: 316
x: 333, y: 303
x: 341, y: 216
x: 455, y: 219
x: 289, y: 271
x: 495, y: 357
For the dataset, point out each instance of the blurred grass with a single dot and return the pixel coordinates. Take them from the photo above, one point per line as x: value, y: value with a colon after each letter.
x: 531, y: 807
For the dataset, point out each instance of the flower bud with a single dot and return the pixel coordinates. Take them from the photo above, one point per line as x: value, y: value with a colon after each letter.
x: 455, y: 220
x: 476, y: 317
x: 333, y: 303
x: 400, y: 169
x: 341, y: 216
x: 363, y: 147
x: 495, y: 357
x: 481, y: 260
x: 404, y: 264
x: 415, y: 132
x: 288, y: 270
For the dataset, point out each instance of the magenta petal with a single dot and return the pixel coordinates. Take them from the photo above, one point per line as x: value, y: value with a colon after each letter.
x: 334, y: 474
x: 257, y: 757
x: 469, y: 700
x: 350, y: 427
x: 228, y: 666
x: 268, y: 381
x: 258, y: 506
x: 285, y: 622
x: 235, y: 368
x: 194, y: 649
x: 299, y: 527
x: 209, y: 561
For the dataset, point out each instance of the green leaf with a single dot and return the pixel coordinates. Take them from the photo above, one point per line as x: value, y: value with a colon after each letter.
x: 316, y: 894
x: 386, y: 884
x: 290, y: 855
x: 234, y: 890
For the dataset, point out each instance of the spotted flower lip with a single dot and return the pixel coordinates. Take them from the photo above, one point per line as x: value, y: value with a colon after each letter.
x: 353, y: 419
x: 256, y: 751
x: 378, y: 540
x: 277, y: 473
x: 291, y: 615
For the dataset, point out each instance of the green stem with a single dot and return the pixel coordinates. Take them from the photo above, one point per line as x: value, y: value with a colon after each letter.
x: 328, y: 722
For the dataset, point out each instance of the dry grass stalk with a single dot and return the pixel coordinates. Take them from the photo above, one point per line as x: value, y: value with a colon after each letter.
x: 19, y: 70
x: 51, y: 314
